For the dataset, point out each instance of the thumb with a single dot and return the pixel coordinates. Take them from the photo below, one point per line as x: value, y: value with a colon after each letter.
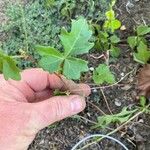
x: 54, y: 109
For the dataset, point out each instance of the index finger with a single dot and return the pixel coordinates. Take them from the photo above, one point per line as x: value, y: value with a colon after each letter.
x: 60, y: 82
x: 39, y: 80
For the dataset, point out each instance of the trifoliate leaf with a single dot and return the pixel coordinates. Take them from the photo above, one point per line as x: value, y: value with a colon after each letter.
x: 142, y: 30
x: 132, y: 40
x: 77, y: 41
x: 123, y: 116
x: 73, y: 67
x: 103, y: 74
x: 8, y: 67
x: 143, y: 54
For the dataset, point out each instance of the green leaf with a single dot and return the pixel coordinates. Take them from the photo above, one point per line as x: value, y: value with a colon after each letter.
x: 73, y: 67
x: 103, y: 74
x: 115, y: 24
x: 8, y: 67
x: 123, y: 116
x: 113, y: 2
x: 142, y: 101
x: 51, y: 63
x: 114, y: 39
x: 114, y: 51
x: 47, y: 50
x: 143, y: 54
x: 132, y: 40
x: 110, y: 14
x: 52, y: 58
x: 142, y: 30
x: 77, y: 41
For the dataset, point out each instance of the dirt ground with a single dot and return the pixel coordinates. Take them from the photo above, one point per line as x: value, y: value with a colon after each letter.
x: 65, y: 134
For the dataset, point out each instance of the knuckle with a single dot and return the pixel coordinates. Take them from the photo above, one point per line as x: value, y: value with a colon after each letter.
x: 58, y: 109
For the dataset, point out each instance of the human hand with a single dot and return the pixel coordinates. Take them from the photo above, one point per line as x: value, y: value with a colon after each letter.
x: 28, y: 105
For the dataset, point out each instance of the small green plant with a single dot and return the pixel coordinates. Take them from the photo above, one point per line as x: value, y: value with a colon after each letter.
x: 75, y: 43
x: 67, y: 8
x: 106, y: 39
x: 8, y: 67
x: 123, y: 116
x: 103, y: 74
x: 138, y: 43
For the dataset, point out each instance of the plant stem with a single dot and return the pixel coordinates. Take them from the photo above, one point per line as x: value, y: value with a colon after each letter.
x: 106, y: 101
x: 117, y: 129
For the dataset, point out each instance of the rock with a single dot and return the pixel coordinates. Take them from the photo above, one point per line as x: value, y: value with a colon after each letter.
x: 117, y: 102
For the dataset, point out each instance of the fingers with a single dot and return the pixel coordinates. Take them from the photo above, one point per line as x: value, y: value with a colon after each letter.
x: 35, y: 81
x: 62, y: 83
x: 39, y: 80
x: 55, y: 109
x: 23, y: 87
x: 43, y: 95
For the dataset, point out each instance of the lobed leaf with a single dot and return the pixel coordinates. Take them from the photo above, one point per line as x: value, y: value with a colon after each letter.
x: 77, y: 41
x: 103, y: 74
x: 73, y: 67
x: 123, y: 116
x: 143, y: 54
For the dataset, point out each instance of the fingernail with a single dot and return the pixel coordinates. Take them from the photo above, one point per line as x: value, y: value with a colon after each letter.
x: 77, y: 104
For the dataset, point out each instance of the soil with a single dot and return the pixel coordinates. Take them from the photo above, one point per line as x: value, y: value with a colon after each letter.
x: 65, y: 134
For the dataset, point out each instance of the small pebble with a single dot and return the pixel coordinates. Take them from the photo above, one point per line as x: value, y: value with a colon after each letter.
x: 41, y: 142
x: 141, y: 121
x: 118, y: 102
x: 94, y: 90
x: 91, y: 68
x: 122, y: 74
x: 89, y: 114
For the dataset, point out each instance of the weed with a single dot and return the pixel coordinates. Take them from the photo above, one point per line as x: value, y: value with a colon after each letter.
x: 106, y: 38
x: 75, y: 43
x: 138, y: 43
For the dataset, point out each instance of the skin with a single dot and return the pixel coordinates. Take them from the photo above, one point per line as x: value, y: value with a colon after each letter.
x: 28, y: 106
